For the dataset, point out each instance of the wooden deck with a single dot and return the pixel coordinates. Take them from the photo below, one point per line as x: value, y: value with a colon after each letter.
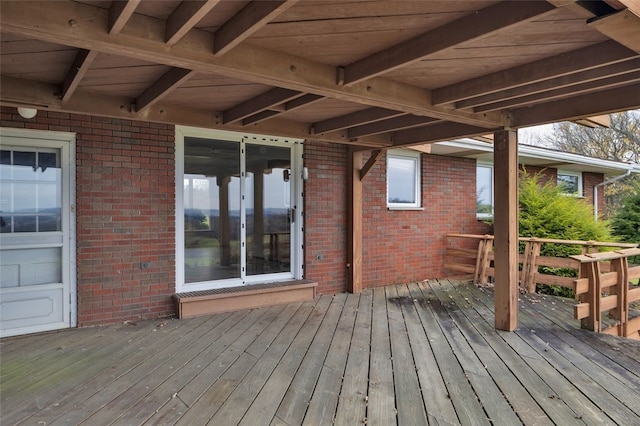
x: 425, y: 353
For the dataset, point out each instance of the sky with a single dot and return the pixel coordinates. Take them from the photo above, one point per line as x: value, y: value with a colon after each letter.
x: 527, y: 135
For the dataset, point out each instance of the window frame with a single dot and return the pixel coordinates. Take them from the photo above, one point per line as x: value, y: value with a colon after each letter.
x: 416, y: 157
x: 484, y: 216
x: 560, y: 172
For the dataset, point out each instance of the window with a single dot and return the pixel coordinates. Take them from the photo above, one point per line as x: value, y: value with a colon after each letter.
x: 570, y: 182
x: 403, y: 179
x: 484, y: 191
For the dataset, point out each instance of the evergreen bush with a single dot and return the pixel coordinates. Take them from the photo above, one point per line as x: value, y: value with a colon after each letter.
x: 626, y: 222
x: 547, y: 212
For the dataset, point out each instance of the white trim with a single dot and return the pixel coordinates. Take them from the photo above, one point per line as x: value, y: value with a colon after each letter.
x: 66, y: 143
x: 541, y: 153
x: 416, y: 157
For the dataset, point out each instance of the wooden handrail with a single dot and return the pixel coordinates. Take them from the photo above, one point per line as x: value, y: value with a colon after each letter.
x: 599, y: 292
x: 602, y: 284
x: 481, y: 258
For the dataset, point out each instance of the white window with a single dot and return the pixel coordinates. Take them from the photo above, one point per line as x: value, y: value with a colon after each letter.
x: 484, y: 191
x: 403, y: 179
x: 570, y: 182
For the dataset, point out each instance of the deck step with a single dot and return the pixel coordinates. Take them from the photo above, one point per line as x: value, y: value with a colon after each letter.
x: 216, y: 301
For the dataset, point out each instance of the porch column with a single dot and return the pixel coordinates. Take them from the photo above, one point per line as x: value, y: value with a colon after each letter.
x: 354, y: 218
x: 505, y: 160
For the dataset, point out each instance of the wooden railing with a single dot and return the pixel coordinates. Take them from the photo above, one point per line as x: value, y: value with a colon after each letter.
x: 603, y: 287
x: 471, y: 256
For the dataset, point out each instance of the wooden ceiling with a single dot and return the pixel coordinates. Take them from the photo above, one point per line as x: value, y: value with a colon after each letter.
x: 372, y: 73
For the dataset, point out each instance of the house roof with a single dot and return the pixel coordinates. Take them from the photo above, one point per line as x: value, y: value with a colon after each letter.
x: 536, y: 156
x: 374, y: 73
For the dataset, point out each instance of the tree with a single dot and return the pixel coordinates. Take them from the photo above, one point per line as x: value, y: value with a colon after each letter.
x: 626, y: 222
x: 620, y: 142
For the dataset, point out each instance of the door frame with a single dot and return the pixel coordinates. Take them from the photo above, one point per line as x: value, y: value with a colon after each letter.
x: 66, y: 143
x: 297, y: 184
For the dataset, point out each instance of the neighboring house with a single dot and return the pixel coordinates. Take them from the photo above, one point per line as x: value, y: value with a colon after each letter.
x: 582, y: 176
x: 143, y: 211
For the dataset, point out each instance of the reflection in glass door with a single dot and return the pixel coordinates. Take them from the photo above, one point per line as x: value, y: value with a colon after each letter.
x: 269, y: 211
x: 237, y: 216
x: 211, y: 210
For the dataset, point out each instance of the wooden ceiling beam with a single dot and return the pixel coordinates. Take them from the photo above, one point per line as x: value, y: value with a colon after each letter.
x: 389, y: 125
x: 79, y: 68
x: 553, y: 83
x: 247, y: 21
x: 161, y: 88
x: 578, y: 107
x: 20, y: 92
x: 185, y: 17
x: 622, y: 26
x: 119, y: 14
x: 144, y: 40
x: 354, y: 119
x: 602, y: 54
x: 261, y: 116
x: 476, y: 25
x: 302, y: 101
x: 435, y: 133
x: 632, y: 5
x: 258, y: 104
x: 576, y: 89
x: 279, y: 109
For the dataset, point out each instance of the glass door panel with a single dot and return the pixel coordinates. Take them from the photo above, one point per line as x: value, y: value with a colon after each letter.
x: 212, y: 220
x: 268, y: 209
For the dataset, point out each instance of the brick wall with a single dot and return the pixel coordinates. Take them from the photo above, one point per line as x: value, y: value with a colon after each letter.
x: 589, y: 181
x: 125, y: 214
x: 326, y: 216
x: 399, y: 246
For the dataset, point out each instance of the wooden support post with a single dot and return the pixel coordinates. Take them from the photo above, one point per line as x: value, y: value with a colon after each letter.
x: 526, y: 262
x: 591, y: 272
x: 621, y: 290
x: 505, y: 162
x: 480, y: 259
x: 532, y: 270
x: 354, y: 255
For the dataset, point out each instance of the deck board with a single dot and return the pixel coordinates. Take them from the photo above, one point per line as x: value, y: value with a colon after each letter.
x: 352, y: 402
x: 411, y: 410
x: 422, y: 353
x: 465, y: 400
x: 488, y: 372
x: 434, y: 390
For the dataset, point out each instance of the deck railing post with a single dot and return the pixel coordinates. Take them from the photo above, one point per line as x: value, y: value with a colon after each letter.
x: 621, y: 312
x: 591, y: 271
x: 524, y: 272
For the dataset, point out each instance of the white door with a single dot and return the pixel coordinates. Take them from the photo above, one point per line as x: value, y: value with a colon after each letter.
x: 37, y: 280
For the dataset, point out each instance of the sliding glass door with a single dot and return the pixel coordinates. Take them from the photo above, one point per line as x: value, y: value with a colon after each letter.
x: 238, y: 210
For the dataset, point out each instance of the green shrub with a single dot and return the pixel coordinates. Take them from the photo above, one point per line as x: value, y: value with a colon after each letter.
x: 626, y: 222
x: 546, y: 212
